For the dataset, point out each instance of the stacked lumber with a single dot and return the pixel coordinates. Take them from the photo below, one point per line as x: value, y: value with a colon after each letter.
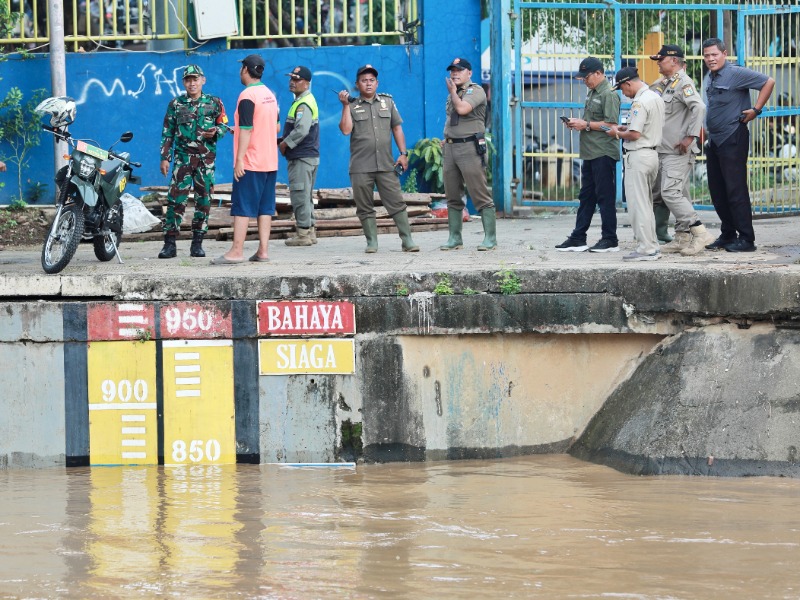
x: 334, y: 210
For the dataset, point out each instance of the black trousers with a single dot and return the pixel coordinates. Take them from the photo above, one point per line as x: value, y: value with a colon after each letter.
x: 727, y: 181
x: 598, y: 189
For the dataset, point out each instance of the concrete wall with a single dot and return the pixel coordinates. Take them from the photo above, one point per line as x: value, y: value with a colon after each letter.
x: 116, y: 92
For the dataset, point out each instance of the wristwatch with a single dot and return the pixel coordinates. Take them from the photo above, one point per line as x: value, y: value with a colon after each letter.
x: 758, y: 111
x: 404, y: 153
x: 588, y: 125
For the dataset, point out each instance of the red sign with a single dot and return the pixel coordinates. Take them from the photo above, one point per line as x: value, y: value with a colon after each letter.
x: 125, y: 321
x: 190, y: 320
x: 306, y: 317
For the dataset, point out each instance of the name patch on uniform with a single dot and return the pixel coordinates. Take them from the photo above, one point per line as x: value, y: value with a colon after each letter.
x: 688, y: 90
x: 469, y: 91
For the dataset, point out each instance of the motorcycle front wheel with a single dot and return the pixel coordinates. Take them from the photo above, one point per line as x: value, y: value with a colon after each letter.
x: 62, y: 239
x: 104, y: 244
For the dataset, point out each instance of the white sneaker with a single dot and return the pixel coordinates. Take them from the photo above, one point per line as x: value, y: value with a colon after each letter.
x: 635, y: 256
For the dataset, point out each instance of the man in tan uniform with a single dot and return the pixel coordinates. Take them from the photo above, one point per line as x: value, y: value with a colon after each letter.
x: 371, y: 121
x: 464, y: 161
x: 640, y: 139
x: 683, y: 122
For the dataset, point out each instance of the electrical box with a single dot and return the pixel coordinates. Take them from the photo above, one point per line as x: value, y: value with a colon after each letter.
x: 215, y: 18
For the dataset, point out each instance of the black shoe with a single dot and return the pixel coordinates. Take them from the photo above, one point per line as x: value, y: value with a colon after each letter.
x: 605, y: 246
x: 740, y: 245
x: 196, y: 249
x: 719, y: 243
x: 169, y: 250
x: 570, y: 245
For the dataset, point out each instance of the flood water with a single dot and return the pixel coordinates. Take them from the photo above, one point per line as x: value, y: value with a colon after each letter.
x: 538, y: 527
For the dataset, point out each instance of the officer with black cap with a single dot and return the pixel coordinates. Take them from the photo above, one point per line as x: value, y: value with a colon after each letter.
x: 300, y: 145
x: 372, y: 120
x: 600, y: 156
x: 683, y: 123
x: 464, y: 160
x: 640, y: 138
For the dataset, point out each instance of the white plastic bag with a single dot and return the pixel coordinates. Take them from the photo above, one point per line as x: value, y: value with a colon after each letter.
x: 136, y: 217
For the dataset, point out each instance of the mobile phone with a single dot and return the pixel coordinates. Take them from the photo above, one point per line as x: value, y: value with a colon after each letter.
x: 398, y: 169
x: 605, y: 128
x: 563, y: 118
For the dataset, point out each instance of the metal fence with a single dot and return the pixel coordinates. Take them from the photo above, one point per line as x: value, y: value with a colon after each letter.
x: 551, y: 38
x: 136, y: 24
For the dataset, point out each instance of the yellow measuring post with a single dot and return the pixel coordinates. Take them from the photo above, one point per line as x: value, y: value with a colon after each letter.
x: 122, y: 403
x: 199, y: 425
x: 296, y: 356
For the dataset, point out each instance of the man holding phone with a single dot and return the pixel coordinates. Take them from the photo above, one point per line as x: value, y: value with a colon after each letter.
x: 192, y: 126
x: 600, y: 155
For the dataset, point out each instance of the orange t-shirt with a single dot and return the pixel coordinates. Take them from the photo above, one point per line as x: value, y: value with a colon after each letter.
x: 257, y: 109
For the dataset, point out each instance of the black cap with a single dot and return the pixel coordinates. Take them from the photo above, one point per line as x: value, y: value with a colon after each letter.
x: 254, y: 62
x: 366, y: 69
x: 193, y: 71
x: 624, y: 75
x: 588, y: 66
x: 668, y: 50
x: 300, y: 72
x: 460, y: 64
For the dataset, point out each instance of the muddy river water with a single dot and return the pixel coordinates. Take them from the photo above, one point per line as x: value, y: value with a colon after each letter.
x: 537, y: 527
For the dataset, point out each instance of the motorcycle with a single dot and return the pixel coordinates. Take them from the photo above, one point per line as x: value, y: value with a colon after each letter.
x: 90, y: 187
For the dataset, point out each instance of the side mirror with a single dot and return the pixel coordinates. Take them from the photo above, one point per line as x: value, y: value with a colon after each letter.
x: 126, y: 137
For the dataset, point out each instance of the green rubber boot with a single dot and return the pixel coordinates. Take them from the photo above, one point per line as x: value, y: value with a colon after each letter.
x: 404, y: 227
x: 370, y: 227
x: 454, y: 223
x: 661, y: 213
x: 489, y: 220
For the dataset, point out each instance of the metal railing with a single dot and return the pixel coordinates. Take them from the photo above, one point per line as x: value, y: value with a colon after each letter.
x: 130, y: 24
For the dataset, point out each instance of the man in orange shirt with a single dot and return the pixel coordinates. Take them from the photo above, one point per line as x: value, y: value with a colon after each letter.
x: 255, y: 157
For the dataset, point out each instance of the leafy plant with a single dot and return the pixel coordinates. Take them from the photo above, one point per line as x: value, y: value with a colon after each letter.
x: 401, y: 289
x: 509, y: 281
x: 36, y: 192
x: 426, y: 157
x: 17, y: 204
x: 443, y: 287
x: 410, y: 184
x: 469, y: 292
x: 19, y: 127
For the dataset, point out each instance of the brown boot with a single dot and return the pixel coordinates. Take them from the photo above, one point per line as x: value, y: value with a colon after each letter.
x: 302, y: 238
x: 700, y: 238
x: 681, y: 240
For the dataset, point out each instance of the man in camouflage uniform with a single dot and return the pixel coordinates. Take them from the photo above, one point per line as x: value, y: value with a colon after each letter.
x: 683, y: 123
x: 193, y: 124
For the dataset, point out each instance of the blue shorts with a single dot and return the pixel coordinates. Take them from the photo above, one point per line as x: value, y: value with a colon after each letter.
x: 254, y: 194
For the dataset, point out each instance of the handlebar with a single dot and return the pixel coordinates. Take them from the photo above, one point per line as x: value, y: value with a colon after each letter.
x: 67, y: 137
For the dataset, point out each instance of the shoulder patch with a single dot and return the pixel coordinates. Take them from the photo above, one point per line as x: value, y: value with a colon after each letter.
x: 688, y: 90
x: 382, y: 94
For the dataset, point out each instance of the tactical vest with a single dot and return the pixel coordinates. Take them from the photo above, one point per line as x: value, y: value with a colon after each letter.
x: 309, y: 145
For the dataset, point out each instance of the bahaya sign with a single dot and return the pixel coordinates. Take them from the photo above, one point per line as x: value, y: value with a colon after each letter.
x: 306, y: 317
x: 277, y: 319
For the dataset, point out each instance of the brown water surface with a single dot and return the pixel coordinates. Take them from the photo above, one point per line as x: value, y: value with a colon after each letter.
x: 538, y: 527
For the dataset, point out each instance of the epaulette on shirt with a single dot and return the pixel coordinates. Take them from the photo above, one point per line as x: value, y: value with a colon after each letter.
x: 382, y: 94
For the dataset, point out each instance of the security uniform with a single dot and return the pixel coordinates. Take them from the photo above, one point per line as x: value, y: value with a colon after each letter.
x: 194, y: 156
x: 462, y: 165
x: 371, y: 160
x: 641, y: 166
x: 684, y: 112
x: 301, y: 135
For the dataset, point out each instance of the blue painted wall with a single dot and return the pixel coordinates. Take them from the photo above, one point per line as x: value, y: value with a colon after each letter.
x: 116, y: 92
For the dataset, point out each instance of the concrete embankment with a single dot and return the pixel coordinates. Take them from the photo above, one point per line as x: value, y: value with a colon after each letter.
x: 327, y: 354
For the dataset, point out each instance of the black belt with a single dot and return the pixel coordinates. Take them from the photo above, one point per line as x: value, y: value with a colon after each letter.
x: 625, y: 150
x: 460, y: 140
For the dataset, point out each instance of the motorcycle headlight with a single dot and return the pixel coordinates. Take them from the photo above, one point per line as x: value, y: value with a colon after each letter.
x: 86, y: 167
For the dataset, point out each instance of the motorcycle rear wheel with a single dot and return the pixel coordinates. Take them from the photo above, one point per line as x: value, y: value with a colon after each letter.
x: 62, y: 239
x: 103, y: 246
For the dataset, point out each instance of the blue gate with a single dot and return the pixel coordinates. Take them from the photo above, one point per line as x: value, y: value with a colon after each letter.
x: 551, y: 38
